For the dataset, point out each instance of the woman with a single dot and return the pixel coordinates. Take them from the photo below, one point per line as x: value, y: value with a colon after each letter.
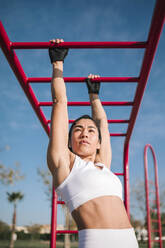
x: 81, y: 167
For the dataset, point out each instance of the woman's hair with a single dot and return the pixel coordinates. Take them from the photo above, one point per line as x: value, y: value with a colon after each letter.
x: 84, y: 117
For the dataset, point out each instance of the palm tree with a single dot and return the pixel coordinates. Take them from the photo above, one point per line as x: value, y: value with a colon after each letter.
x: 69, y: 222
x: 13, y: 198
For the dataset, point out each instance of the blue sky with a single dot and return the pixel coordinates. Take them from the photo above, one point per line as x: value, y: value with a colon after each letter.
x: 122, y: 20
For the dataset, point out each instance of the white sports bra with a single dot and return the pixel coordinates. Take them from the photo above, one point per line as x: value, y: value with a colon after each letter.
x: 86, y: 182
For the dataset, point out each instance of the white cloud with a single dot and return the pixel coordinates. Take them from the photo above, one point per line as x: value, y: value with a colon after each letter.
x: 16, y: 125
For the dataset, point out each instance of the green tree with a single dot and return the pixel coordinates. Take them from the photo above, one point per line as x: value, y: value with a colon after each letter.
x: 163, y: 223
x: 34, y: 231
x: 136, y: 222
x: 13, y: 198
x: 9, y: 175
x: 4, y: 227
x: 34, y: 228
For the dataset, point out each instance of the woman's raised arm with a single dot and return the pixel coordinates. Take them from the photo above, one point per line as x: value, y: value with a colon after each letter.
x: 58, y: 152
x: 98, y: 114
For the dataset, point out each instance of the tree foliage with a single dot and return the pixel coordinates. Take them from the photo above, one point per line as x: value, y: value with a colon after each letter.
x: 10, y: 175
x: 15, y: 196
x: 4, y: 227
x: 36, y: 228
x: 46, y: 178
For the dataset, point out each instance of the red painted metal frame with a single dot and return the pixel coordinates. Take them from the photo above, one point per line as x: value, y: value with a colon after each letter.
x: 88, y: 103
x: 126, y: 178
x: 82, y: 79
x: 77, y: 45
x: 150, y: 46
x: 54, y: 219
x: 20, y: 74
x: 147, y: 197
x: 152, y: 43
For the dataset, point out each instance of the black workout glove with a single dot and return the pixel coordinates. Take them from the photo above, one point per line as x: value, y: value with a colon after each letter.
x: 93, y: 87
x: 57, y: 54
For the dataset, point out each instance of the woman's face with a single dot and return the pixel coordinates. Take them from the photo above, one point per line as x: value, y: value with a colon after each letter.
x: 84, y: 138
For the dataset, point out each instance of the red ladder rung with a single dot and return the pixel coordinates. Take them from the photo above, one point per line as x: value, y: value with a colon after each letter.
x: 109, y: 121
x: 119, y: 174
x: 60, y: 202
x: 82, y: 79
x: 46, y: 104
x: 155, y: 230
x: 85, y: 44
x: 156, y: 240
x: 153, y: 210
x: 154, y: 220
x: 66, y: 231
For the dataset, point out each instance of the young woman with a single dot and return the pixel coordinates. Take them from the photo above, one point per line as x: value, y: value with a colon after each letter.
x: 80, y: 165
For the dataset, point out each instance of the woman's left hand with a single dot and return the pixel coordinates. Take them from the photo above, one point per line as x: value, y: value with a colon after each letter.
x: 93, y: 87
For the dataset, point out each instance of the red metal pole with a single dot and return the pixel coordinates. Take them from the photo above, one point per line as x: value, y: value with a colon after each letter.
x: 91, y: 44
x: 54, y: 219
x: 152, y: 43
x: 157, y: 198
x: 147, y: 195
x: 126, y: 179
x: 19, y: 73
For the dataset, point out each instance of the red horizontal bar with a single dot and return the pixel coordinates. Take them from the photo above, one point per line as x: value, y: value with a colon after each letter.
x: 118, y: 121
x: 66, y: 231
x: 86, y: 44
x: 82, y: 79
x: 155, y: 230
x: 118, y: 134
x: 119, y: 174
x: 88, y: 104
x: 109, y: 121
x: 156, y: 240
x: 60, y: 202
x: 154, y: 220
x: 153, y: 210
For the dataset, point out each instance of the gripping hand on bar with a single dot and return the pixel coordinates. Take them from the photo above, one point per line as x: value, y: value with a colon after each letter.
x: 93, y: 87
x: 57, y: 53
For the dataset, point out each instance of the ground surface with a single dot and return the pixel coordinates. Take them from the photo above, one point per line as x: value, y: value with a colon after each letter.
x: 45, y: 244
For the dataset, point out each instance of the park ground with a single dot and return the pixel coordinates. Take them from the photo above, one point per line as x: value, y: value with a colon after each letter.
x: 45, y: 244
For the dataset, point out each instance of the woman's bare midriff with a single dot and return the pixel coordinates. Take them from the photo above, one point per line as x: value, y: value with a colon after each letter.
x: 100, y: 213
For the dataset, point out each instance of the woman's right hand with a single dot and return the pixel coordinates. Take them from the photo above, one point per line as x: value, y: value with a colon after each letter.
x: 57, y: 53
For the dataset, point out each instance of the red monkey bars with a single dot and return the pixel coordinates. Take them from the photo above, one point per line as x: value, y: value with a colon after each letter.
x: 150, y: 46
x: 149, y: 220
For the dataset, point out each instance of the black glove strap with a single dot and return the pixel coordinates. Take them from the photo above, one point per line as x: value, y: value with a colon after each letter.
x: 57, y: 54
x: 93, y: 87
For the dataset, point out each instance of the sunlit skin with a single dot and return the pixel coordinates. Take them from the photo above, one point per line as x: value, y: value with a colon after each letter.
x: 85, y: 140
